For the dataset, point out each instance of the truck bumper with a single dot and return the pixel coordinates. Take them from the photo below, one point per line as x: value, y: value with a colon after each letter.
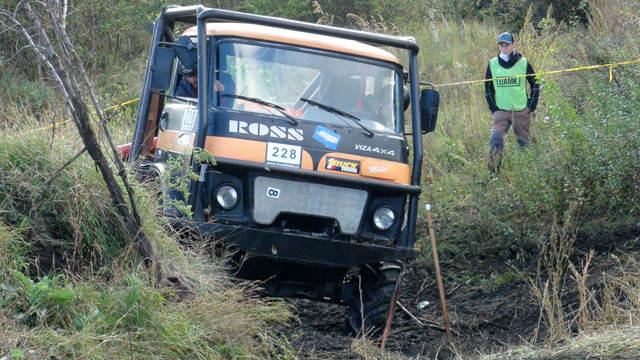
x: 297, y: 248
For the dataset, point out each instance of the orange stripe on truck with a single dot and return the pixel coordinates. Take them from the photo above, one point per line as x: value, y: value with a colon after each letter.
x: 334, y: 163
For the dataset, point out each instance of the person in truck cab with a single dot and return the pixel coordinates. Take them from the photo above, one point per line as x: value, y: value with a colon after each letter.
x: 507, y: 97
x: 188, y: 86
x: 385, y: 105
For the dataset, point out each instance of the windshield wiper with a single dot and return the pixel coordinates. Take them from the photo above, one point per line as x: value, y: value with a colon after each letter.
x: 337, y: 111
x: 280, y: 109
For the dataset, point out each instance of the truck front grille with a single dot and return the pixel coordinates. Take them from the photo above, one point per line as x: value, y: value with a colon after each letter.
x: 274, y: 196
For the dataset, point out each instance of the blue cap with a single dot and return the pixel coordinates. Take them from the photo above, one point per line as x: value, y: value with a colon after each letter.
x: 506, y: 37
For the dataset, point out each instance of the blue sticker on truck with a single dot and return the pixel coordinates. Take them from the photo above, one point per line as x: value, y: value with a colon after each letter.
x: 327, y: 137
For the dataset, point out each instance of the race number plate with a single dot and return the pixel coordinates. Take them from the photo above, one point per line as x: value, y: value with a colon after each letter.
x: 285, y: 155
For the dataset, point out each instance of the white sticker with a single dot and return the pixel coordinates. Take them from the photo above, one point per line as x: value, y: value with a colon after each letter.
x: 184, y: 139
x: 273, y: 192
x: 285, y: 155
x: 189, y: 119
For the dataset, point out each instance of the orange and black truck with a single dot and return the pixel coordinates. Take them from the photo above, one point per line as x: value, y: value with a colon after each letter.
x: 315, y: 182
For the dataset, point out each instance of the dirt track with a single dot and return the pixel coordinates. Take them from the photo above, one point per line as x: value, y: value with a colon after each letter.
x: 484, y: 319
x: 481, y: 321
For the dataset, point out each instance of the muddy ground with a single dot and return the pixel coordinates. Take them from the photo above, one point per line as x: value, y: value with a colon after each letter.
x: 487, y: 316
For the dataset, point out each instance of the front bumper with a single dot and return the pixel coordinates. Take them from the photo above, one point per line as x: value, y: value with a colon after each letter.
x: 297, y: 248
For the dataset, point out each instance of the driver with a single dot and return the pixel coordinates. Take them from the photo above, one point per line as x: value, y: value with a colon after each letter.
x: 188, y: 86
x: 385, y: 105
x: 343, y: 94
x: 224, y: 85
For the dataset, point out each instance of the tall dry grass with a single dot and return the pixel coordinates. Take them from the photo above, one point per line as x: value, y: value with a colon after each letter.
x: 72, y: 286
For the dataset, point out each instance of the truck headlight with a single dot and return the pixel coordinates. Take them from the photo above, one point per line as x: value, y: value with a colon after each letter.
x: 383, y: 218
x: 227, y: 197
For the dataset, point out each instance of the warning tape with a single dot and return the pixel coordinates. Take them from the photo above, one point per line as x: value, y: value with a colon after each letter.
x: 610, y: 66
x: 109, y: 108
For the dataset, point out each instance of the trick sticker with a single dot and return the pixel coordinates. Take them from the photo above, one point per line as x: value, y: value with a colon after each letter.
x: 327, y: 137
x: 343, y: 165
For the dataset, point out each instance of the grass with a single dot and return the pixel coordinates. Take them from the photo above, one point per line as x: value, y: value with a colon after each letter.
x: 94, y: 300
x: 72, y: 286
x: 584, y: 140
x: 584, y: 157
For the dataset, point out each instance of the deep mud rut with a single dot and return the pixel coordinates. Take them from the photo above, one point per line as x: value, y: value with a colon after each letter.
x: 484, y: 319
x: 481, y: 322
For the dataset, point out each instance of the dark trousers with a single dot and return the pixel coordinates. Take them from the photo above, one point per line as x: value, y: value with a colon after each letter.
x: 502, y: 121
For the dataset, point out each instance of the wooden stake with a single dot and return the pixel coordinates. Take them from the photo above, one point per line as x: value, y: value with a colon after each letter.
x: 447, y: 326
x: 392, y: 308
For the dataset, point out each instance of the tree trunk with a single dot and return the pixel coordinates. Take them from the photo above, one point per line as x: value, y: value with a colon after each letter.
x: 80, y: 113
x: 433, y: 26
x: 445, y: 22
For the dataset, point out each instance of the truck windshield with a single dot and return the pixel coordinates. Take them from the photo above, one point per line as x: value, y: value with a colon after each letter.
x: 285, y: 76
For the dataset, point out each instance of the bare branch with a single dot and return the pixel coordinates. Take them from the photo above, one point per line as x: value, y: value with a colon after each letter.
x: 55, y: 175
x: 10, y: 76
x: 122, y: 172
x: 83, y: 120
x: 14, y: 56
x: 38, y: 52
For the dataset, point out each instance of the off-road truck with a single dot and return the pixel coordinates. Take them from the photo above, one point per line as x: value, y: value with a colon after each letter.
x: 315, y: 183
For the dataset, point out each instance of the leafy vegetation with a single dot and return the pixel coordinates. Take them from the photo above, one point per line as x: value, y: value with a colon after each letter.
x: 87, y: 294
x: 71, y: 285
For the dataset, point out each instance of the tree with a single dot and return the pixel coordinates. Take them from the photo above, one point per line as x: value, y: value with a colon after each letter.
x: 66, y: 67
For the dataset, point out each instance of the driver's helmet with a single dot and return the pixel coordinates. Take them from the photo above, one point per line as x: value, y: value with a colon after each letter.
x: 188, y: 71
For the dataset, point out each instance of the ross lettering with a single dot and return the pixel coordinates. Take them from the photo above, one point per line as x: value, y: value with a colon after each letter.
x: 258, y: 129
x: 279, y: 132
x: 295, y: 134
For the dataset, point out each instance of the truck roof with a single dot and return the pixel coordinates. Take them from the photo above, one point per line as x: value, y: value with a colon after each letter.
x: 267, y: 33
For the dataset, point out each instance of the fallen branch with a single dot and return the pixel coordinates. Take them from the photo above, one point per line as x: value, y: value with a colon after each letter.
x: 48, y: 183
x: 425, y: 322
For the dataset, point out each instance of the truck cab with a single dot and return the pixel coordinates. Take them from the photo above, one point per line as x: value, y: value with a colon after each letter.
x: 313, y: 181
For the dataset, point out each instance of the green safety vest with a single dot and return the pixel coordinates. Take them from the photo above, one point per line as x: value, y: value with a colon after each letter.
x: 511, y: 94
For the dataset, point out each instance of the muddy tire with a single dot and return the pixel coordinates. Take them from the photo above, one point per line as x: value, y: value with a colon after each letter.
x: 378, y: 284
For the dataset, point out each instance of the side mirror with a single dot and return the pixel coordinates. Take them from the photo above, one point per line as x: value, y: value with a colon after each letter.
x: 162, y: 69
x: 429, y: 100
x: 406, y: 97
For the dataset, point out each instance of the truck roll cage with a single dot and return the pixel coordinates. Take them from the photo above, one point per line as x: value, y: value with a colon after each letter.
x: 199, y: 15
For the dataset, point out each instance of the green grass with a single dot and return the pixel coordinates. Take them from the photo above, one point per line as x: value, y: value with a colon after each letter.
x: 95, y: 297
x: 585, y: 144
x: 97, y: 300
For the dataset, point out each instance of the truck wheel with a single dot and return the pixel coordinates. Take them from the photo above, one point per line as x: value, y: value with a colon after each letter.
x: 374, y: 301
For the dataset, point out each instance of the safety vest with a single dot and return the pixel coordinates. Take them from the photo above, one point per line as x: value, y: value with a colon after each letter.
x: 511, y: 94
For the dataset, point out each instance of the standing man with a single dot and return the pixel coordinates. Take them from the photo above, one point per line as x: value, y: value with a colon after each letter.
x: 508, y: 99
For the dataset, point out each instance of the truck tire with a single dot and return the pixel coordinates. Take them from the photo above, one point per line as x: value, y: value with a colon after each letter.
x: 378, y: 283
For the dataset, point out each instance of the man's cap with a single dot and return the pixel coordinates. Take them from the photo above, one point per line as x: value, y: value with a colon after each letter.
x: 506, y: 37
x: 191, y: 71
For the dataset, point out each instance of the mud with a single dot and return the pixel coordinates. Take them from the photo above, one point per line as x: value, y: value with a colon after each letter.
x: 485, y: 318
x: 481, y: 321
